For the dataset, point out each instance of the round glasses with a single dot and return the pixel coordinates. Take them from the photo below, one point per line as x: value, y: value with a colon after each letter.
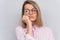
x: 32, y: 10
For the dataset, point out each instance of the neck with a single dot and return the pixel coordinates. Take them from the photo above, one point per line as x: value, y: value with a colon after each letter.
x: 33, y: 23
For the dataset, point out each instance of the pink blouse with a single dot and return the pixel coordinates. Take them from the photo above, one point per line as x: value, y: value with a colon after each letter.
x: 42, y: 33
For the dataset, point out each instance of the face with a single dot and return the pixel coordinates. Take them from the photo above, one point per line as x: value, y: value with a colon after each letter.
x: 30, y: 11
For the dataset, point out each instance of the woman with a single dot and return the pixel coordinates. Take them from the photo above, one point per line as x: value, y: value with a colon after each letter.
x: 32, y: 27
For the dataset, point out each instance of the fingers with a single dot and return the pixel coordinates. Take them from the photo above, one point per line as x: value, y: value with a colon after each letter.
x: 25, y: 18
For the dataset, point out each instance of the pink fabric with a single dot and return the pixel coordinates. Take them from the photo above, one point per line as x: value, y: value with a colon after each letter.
x: 42, y: 33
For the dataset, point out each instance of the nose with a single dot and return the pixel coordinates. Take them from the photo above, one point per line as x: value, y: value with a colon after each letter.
x: 30, y: 13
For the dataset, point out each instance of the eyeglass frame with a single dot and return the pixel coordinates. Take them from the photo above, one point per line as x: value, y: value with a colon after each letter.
x: 33, y: 10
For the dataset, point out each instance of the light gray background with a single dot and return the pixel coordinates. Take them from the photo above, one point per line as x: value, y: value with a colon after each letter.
x: 10, y: 14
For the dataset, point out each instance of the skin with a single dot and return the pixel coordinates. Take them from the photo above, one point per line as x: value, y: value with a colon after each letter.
x: 29, y: 18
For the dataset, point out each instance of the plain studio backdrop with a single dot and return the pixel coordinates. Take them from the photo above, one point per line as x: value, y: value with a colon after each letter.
x: 10, y: 14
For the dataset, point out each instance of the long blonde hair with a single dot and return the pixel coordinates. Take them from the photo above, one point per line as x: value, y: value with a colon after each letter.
x: 38, y: 20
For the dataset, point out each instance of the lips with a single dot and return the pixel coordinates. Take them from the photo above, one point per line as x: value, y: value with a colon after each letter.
x: 30, y: 16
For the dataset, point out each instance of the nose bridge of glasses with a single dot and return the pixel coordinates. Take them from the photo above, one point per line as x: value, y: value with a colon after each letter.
x: 31, y: 12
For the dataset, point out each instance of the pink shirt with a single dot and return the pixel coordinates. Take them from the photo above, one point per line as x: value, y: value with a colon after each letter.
x: 42, y: 33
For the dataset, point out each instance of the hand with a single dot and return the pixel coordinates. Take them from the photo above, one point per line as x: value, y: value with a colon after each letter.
x: 26, y: 19
x: 29, y: 24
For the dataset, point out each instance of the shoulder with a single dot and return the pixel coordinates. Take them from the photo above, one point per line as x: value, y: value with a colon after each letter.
x: 19, y: 28
x: 46, y: 29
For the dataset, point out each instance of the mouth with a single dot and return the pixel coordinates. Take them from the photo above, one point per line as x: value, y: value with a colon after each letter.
x: 30, y: 17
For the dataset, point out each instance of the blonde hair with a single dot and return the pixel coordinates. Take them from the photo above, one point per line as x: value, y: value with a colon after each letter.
x: 38, y: 21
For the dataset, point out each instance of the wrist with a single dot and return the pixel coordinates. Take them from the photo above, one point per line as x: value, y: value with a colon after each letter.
x: 29, y: 22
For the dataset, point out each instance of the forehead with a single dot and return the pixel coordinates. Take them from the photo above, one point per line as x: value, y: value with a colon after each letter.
x: 28, y: 6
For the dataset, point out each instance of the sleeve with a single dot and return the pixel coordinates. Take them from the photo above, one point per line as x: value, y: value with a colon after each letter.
x: 21, y: 36
x: 51, y: 36
x: 29, y: 37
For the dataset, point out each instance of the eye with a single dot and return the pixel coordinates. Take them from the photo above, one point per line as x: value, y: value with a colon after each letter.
x: 33, y: 10
x: 26, y: 11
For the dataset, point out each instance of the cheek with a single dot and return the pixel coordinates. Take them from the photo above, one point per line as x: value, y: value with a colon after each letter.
x: 35, y: 16
x: 26, y: 14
